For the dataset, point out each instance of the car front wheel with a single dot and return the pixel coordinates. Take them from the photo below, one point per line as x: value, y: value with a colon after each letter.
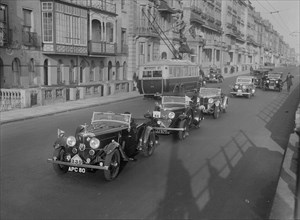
x: 112, y: 161
x: 59, y: 154
x: 216, y: 112
x: 183, y: 134
x: 149, y: 146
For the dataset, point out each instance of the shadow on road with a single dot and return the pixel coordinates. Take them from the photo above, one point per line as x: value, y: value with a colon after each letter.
x: 241, y: 184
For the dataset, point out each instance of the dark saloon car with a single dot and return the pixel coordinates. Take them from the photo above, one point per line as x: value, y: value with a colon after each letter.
x: 273, y: 81
x: 108, y: 142
x: 244, y: 86
x: 260, y: 75
x: 212, y: 101
x: 176, y: 114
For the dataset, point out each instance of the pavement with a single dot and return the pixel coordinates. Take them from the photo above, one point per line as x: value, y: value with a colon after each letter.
x: 285, y: 204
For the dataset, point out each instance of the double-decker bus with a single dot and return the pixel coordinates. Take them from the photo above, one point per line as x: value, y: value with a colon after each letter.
x: 163, y: 76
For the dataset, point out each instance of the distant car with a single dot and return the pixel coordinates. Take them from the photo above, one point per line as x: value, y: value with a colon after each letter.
x: 273, y: 81
x: 176, y: 114
x: 109, y: 141
x: 260, y: 75
x: 244, y: 86
x: 213, y: 77
x: 212, y: 101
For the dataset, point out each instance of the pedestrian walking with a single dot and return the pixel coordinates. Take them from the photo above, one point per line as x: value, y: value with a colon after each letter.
x: 288, y: 81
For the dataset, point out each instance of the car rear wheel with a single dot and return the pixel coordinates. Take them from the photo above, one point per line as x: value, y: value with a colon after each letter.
x: 59, y: 154
x: 183, y: 134
x: 113, y: 161
x: 149, y: 146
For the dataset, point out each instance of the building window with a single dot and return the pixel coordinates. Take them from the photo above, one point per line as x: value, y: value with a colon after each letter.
x: 47, y: 27
x: 27, y: 16
x: 217, y: 55
x: 149, y: 52
x: 109, y: 32
x: 142, y: 53
x: 207, y: 55
x: 92, y: 71
x: 122, y: 4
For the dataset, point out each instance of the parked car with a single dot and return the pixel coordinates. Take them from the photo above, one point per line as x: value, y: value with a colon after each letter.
x: 273, y: 81
x: 214, y: 76
x: 244, y: 86
x: 212, y: 101
x: 110, y: 141
x: 176, y: 115
x: 260, y: 75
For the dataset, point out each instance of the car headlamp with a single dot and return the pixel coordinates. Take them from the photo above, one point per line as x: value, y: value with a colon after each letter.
x: 244, y: 87
x: 276, y: 82
x: 171, y: 115
x: 94, y: 143
x: 71, y: 141
x: 268, y: 81
x: 210, y: 101
x: 236, y: 86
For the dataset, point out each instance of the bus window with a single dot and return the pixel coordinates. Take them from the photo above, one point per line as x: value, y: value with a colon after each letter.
x: 147, y: 73
x: 157, y: 73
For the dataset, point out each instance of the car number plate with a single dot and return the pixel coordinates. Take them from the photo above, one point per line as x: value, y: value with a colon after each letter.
x: 76, y: 160
x: 156, y: 114
x: 76, y: 169
x: 239, y: 92
x: 271, y: 87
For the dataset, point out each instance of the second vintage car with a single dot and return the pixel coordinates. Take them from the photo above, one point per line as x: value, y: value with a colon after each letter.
x: 244, y: 86
x: 212, y: 101
x: 176, y: 114
x: 110, y: 141
x: 273, y: 81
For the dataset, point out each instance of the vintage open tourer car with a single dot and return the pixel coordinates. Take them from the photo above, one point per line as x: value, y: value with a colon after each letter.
x: 273, y: 81
x: 176, y: 114
x: 244, y: 86
x: 212, y: 101
x: 106, y: 144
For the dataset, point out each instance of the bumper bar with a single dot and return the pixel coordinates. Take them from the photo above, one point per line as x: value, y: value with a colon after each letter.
x: 169, y: 129
x: 77, y: 165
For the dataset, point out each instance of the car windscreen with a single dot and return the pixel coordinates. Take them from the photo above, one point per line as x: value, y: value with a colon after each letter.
x: 274, y: 75
x: 205, y: 92
x: 111, y: 117
x: 173, y: 101
x: 244, y: 80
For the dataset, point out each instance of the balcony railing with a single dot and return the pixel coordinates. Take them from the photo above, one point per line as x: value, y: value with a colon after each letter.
x: 30, y: 38
x: 5, y: 36
x: 146, y: 31
x: 102, y: 48
x: 97, y: 4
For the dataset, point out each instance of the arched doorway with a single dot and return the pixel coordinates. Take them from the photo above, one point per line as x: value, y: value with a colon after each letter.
x: 72, y: 72
x: 124, y: 71
x: 16, y: 69
x: 83, y: 65
x: 109, y: 72
x: 101, y: 77
x: 46, y: 72
x: 2, y: 78
x: 164, y: 55
x: 59, y: 72
x: 96, y: 31
x: 118, y: 70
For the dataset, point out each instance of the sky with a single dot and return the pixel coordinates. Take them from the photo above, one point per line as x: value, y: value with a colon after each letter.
x: 284, y: 16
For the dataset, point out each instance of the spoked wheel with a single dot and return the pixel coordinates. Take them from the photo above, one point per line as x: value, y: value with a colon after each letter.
x: 149, y: 146
x: 183, y: 134
x: 216, y: 112
x: 59, y: 154
x: 113, y: 161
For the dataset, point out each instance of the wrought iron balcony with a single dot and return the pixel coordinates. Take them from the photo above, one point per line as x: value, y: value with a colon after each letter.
x: 30, y: 38
x: 146, y: 32
x: 6, y: 36
x: 102, y: 47
x: 102, y: 5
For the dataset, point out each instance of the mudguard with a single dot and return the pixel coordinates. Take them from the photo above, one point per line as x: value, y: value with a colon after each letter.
x: 182, y: 117
x: 217, y: 103
x: 146, y: 134
x: 110, y: 147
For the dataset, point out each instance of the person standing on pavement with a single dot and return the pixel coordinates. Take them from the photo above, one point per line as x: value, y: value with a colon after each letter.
x: 288, y: 81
